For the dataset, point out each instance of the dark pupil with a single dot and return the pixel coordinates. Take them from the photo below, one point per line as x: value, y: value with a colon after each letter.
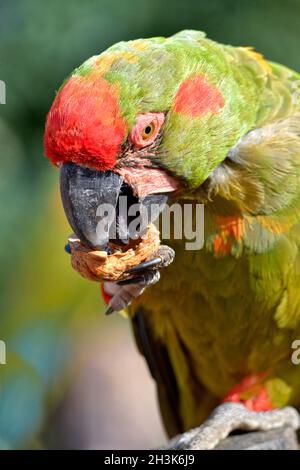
x: 148, y: 129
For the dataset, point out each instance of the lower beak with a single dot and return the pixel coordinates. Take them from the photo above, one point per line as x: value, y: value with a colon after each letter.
x: 87, y: 195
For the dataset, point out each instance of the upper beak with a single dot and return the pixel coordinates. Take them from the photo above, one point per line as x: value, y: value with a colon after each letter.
x: 84, y: 192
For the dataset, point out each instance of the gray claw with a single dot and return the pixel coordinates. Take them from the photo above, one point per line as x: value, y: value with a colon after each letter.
x: 132, y: 280
x: 164, y: 256
x: 146, y: 265
x: 147, y: 279
x: 142, y: 276
x: 109, y: 311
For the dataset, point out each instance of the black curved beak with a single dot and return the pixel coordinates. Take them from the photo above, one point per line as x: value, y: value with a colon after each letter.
x: 96, y: 211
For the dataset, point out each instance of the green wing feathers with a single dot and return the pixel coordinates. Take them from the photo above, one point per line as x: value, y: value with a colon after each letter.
x: 242, y: 311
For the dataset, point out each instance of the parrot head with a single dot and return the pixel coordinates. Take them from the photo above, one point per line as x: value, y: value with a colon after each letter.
x: 149, y: 119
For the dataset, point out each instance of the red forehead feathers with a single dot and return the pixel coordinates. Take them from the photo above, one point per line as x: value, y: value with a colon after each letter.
x: 84, y: 124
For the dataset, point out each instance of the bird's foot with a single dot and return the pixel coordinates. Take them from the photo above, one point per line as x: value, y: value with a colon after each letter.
x: 123, y: 292
x: 229, y: 417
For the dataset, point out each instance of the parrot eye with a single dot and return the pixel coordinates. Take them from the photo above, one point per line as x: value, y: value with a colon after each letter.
x: 146, y: 129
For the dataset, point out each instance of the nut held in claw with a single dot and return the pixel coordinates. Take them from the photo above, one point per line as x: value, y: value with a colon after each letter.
x: 100, y: 266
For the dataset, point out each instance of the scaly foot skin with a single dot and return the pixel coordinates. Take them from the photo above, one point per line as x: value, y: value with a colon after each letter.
x: 229, y: 417
x: 146, y: 274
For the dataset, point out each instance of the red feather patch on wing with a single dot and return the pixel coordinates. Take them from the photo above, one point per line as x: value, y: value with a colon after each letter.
x: 84, y: 124
x: 231, y: 229
x: 196, y: 97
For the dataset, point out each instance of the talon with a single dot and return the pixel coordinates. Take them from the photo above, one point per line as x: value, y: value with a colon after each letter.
x: 109, y: 311
x: 145, y: 265
x: 147, y: 279
x: 165, y: 256
x: 132, y: 280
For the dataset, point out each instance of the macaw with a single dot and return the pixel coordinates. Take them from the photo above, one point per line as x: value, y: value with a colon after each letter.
x: 191, y: 120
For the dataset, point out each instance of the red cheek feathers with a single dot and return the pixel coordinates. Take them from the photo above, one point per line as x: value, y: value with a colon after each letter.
x: 196, y: 97
x: 154, y: 121
x: 84, y: 124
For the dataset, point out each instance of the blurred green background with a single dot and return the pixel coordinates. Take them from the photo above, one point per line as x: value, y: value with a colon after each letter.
x: 73, y: 378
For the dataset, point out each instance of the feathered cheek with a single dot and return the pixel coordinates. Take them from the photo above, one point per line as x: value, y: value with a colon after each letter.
x: 146, y: 129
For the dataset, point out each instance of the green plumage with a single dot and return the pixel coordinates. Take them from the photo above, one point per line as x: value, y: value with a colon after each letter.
x: 218, y: 315
x: 148, y: 73
x: 233, y: 308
